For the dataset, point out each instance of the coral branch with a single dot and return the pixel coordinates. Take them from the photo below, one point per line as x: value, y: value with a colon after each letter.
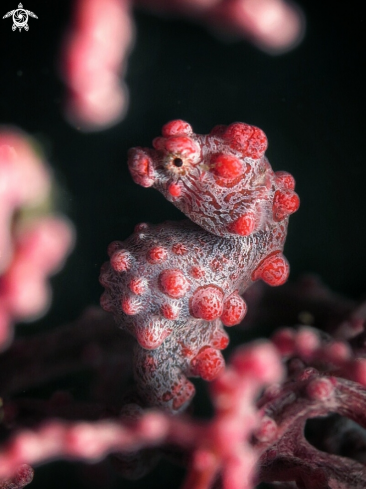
x: 24, y: 182
x: 252, y: 437
x: 289, y: 456
x: 223, y: 441
x: 88, y: 343
x: 82, y: 441
x: 307, y: 344
x: 33, y: 242
x: 275, y: 26
x: 94, y: 59
x: 96, y: 48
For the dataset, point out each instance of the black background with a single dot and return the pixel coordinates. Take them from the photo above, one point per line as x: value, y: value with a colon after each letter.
x: 310, y: 102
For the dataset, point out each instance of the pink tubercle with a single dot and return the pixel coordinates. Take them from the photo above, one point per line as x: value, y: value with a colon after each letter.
x: 174, y: 283
x: 207, y: 302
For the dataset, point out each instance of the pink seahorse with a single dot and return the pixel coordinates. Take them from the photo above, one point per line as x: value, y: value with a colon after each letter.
x: 175, y: 285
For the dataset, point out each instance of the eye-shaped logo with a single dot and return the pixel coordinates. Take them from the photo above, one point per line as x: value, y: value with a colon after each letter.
x: 20, y: 17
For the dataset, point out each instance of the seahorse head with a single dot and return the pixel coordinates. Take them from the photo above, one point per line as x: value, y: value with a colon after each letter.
x: 221, y: 181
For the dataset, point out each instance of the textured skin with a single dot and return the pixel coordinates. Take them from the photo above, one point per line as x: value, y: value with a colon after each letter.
x: 224, y: 182
x: 173, y: 286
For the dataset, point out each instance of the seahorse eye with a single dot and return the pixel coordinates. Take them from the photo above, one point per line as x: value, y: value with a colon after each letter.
x: 178, y: 162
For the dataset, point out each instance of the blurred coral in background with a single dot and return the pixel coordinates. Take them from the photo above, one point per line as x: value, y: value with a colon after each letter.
x: 97, y: 47
x: 275, y: 26
x: 33, y: 241
x: 95, y: 56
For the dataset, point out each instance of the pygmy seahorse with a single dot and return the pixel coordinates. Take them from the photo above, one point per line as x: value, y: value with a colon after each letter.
x: 174, y: 286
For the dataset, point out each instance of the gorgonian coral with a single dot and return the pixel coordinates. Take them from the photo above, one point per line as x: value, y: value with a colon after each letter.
x: 33, y: 241
x: 97, y: 47
x: 174, y: 287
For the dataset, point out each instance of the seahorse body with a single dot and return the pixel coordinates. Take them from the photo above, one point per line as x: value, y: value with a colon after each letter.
x: 173, y: 286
